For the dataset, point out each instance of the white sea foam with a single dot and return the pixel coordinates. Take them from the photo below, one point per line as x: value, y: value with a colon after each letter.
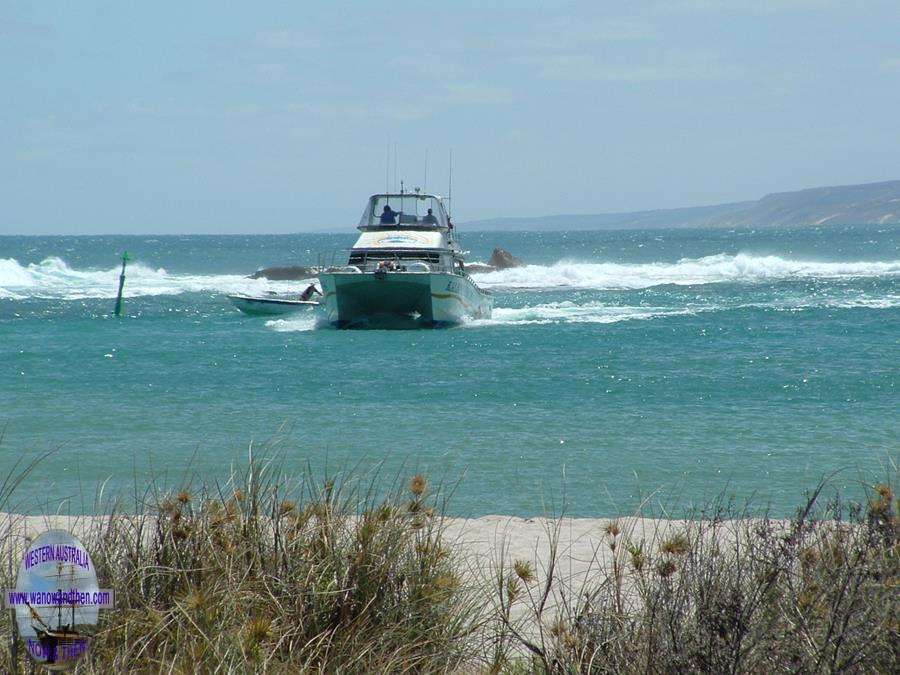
x: 53, y: 278
x: 296, y: 324
x: 597, y: 312
x: 687, y: 271
x: 570, y: 312
x: 886, y: 302
x: 9, y: 295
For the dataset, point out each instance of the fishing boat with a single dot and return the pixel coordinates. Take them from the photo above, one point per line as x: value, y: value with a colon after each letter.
x: 270, y: 305
x: 406, y: 265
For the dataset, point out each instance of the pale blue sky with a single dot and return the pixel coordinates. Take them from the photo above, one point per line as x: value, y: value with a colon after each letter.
x: 276, y: 116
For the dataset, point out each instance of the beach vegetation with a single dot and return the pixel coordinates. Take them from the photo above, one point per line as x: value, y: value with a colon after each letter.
x: 274, y: 575
x: 248, y: 578
x: 731, y: 593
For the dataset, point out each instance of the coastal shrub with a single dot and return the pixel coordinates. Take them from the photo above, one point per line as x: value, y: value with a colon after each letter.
x: 818, y: 593
x: 247, y: 578
x: 348, y: 576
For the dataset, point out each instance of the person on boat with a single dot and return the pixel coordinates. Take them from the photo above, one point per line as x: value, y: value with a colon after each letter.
x: 429, y: 219
x: 309, y: 292
x: 449, y: 224
x: 388, y: 215
x: 386, y: 266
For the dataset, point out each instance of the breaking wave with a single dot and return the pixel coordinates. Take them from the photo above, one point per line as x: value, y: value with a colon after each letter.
x: 53, y: 278
x: 740, y: 268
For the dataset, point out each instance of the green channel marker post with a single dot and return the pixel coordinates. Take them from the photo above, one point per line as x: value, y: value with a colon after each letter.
x: 125, y: 259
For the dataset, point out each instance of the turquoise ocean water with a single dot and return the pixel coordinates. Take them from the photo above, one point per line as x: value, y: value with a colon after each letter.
x: 688, y: 362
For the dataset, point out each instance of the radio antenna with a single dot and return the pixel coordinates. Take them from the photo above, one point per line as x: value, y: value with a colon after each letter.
x: 396, y: 163
x: 450, y: 185
x: 387, y: 167
x: 425, y: 181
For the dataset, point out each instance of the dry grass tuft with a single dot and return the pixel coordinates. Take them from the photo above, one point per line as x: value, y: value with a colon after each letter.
x: 418, y: 484
x: 677, y: 544
x: 524, y: 571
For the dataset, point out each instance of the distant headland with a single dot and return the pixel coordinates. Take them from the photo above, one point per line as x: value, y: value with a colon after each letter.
x: 876, y: 203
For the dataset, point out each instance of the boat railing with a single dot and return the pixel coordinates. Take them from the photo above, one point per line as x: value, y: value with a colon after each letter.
x: 411, y: 261
x: 328, y: 259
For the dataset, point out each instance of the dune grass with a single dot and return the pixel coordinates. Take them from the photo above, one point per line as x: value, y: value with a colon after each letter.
x: 817, y: 593
x: 248, y: 578
x: 267, y: 575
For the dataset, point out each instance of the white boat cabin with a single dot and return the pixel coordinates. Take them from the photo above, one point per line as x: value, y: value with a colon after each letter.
x: 410, y: 229
x: 405, y: 210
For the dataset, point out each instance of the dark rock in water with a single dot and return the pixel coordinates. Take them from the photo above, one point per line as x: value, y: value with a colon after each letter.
x: 501, y: 260
x: 293, y: 273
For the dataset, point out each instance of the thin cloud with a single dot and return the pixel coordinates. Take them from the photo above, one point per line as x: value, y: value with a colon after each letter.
x: 479, y: 94
x: 576, y: 67
x: 558, y: 34
x: 285, y: 40
x: 434, y: 66
x: 244, y: 110
x: 273, y: 73
x: 167, y: 108
x: 749, y: 6
x: 399, y: 113
x: 586, y: 30
x: 513, y: 136
x: 13, y: 28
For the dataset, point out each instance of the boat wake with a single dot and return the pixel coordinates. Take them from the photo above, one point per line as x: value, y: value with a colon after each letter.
x: 295, y: 324
x: 598, y: 312
x: 740, y: 268
x: 52, y: 278
x: 570, y: 312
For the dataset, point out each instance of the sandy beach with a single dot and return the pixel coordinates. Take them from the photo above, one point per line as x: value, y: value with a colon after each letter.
x: 582, y: 542
x: 581, y: 553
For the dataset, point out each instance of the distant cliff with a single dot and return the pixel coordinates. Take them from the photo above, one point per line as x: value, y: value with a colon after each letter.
x: 856, y: 204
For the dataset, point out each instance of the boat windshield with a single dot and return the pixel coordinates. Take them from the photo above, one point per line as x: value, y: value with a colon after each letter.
x: 404, y: 209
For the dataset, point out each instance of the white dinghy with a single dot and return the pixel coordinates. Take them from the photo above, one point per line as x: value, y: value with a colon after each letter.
x: 271, y: 305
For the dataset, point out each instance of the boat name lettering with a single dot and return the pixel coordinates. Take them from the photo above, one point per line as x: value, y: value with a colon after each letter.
x: 453, y: 286
x: 400, y: 239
